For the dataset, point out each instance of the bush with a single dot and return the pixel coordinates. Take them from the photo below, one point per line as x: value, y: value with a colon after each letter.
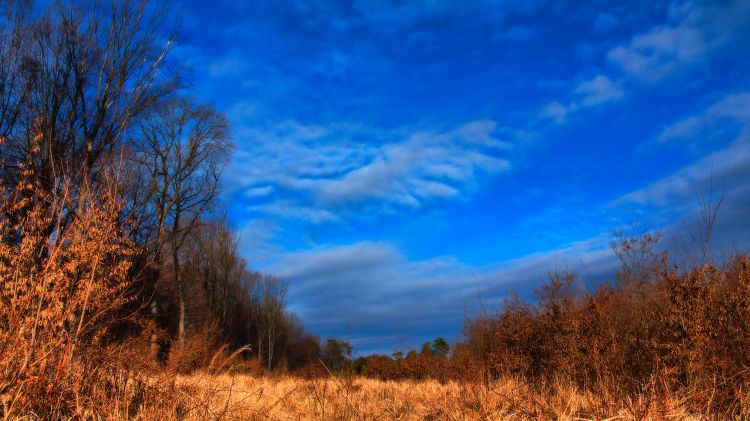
x: 684, y: 332
x: 63, y: 286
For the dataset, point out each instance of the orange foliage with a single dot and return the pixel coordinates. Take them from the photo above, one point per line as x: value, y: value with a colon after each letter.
x: 64, y: 281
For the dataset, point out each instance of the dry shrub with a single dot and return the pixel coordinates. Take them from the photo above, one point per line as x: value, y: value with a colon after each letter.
x: 252, y: 366
x: 658, y: 340
x: 417, y: 366
x: 670, y: 334
x: 197, y: 351
x: 64, y: 267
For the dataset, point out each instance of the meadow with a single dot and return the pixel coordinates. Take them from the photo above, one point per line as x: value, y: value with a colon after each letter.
x: 292, y: 398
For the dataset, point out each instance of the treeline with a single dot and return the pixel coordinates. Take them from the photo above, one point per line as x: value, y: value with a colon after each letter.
x: 227, y: 306
x: 111, y: 233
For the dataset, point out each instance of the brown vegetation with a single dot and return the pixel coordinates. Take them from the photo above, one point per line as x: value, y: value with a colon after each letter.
x: 678, y: 333
x: 264, y: 398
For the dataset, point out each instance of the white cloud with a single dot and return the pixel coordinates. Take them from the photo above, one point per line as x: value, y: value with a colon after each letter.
x: 589, y: 93
x: 555, y: 111
x: 734, y: 107
x: 227, y: 66
x: 724, y: 166
x: 291, y: 210
x: 424, y: 167
x: 313, y: 167
x: 719, y: 179
x: 657, y: 53
x: 258, y: 191
x: 690, y: 34
x: 597, y: 91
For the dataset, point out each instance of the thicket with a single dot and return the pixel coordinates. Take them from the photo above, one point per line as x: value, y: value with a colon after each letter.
x: 671, y: 331
x: 656, y: 330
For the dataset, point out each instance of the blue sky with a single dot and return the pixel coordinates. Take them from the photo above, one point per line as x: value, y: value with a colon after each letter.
x: 397, y: 160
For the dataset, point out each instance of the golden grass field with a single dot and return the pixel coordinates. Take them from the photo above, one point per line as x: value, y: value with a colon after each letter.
x: 245, y: 397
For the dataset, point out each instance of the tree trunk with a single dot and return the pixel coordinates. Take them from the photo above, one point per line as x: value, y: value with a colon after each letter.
x: 270, y: 349
x: 155, y: 273
x: 181, y: 289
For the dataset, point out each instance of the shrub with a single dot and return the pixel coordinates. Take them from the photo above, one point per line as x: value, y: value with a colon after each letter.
x: 64, y: 282
x: 673, y: 332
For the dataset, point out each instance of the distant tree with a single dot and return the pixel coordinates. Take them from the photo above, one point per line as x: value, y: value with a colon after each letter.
x: 271, y: 295
x: 303, y: 351
x: 440, y: 347
x: 426, y: 349
x: 336, y: 354
x: 359, y: 364
x: 638, y: 257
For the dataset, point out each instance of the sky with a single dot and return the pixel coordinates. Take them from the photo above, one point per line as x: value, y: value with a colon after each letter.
x: 405, y: 164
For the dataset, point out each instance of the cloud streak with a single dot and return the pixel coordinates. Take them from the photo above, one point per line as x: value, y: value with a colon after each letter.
x: 734, y: 107
x: 589, y: 93
x: 327, y: 169
x: 691, y: 32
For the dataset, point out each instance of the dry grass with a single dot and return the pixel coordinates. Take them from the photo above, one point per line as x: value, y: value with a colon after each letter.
x: 287, y: 398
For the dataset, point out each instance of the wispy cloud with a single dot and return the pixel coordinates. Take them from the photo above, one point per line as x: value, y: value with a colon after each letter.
x: 724, y: 172
x: 722, y: 177
x: 229, y: 65
x: 597, y: 91
x: 734, y: 107
x: 555, y: 111
x: 692, y: 32
x: 656, y: 54
x: 291, y: 210
x: 589, y: 93
x: 327, y: 169
x: 410, y: 301
x: 683, y: 187
x: 371, y: 146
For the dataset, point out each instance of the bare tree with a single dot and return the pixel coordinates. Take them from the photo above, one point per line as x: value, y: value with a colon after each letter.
x: 708, y: 208
x: 183, y: 148
x: 14, y: 87
x: 696, y: 232
x: 218, y: 270
x: 271, y: 294
x: 72, y: 81
x: 638, y: 255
